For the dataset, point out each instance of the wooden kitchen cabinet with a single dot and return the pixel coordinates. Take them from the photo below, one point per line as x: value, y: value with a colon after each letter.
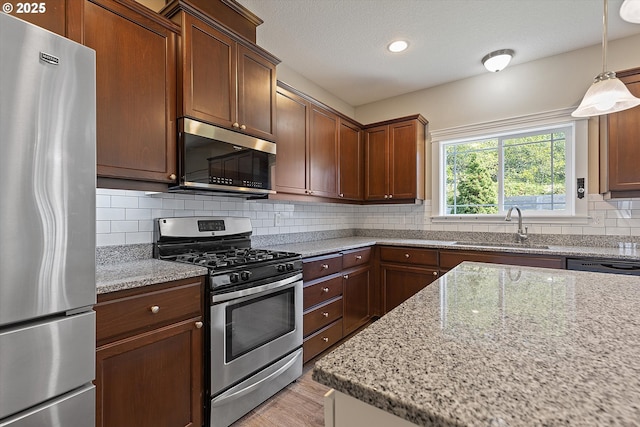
x: 135, y: 89
x: 450, y: 258
x: 225, y: 79
x: 394, y: 159
x: 620, y: 175
x: 350, y: 161
x: 149, y: 356
x: 319, y: 152
x: 322, y: 304
x: 405, y: 271
x: 356, y: 289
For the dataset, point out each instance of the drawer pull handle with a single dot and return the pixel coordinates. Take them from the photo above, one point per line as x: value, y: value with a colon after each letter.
x: 199, y: 325
x: 358, y: 257
x: 435, y: 273
x: 154, y: 309
x: 346, y: 276
x: 325, y: 314
x: 325, y: 290
x: 325, y: 339
x: 407, y: 255
x: 325, y: 266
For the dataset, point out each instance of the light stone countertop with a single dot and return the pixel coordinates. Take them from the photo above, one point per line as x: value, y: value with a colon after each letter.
x: 494, y: 345
x: 322, y: 247
x: 134, y: 274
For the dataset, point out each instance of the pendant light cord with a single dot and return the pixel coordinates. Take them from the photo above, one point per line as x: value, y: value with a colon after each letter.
x: 605, y: 16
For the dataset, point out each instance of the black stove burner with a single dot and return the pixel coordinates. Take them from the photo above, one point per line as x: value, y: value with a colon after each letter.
x: 231, y: 257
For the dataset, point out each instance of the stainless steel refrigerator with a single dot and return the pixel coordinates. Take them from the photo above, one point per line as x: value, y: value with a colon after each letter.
x: 47, y: 228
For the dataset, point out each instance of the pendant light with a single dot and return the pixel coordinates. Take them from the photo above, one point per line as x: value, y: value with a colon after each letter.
x: 607, y: 94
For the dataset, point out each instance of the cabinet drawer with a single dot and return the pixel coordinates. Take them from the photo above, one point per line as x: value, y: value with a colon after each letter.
x: 356, y: 257
x: 321, y: 266
x: 125, y: 316
x: 322, y: 316
x: 321, y: 291
x: 321, y: 340
x: 409, y: 255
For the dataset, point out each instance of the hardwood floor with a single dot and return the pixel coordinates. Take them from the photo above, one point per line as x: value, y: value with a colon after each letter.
x: 300, y: 404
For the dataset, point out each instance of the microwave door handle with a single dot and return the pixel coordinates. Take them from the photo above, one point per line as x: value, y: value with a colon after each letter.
x: 268, y: 287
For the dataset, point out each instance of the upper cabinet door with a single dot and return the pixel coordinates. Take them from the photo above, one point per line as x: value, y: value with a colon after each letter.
x: 402, y: 160
x: 293, y: 131
x: 135, y: 88
x: 209, y: 73
x: 624, y: 144
x: 351, y: 161
x: 376, y: 163
x: 323, y: 153
x: 256, y: 94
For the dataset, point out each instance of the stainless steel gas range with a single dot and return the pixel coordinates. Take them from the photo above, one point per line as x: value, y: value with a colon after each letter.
x: 254, y: 322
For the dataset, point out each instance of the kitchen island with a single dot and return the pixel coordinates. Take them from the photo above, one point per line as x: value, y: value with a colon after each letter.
x: 495, y: 345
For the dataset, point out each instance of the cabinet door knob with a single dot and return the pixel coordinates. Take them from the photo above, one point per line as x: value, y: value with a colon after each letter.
x: 386, y: 196
x: 199, y: 325
x: 358, y: 257
x: 407, y: 255
x: 236, y: 125
x: 243, y: 127
x: 435, y: 273
x: 172, y: 177
x: 325, y: 290
x: 325, y: 314
x: 325, y: 339
x: 325, y: 266
x: 341, y: 195
x: 154, y: 309
x: 391, y: 196
x: 346, y: 276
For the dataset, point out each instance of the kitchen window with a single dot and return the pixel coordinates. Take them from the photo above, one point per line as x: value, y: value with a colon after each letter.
x: 532, y: 163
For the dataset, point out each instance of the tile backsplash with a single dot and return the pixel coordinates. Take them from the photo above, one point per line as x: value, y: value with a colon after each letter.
x: 126, y: 217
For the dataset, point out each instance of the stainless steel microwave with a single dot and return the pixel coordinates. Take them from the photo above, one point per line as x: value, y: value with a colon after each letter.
x: 216, y: 160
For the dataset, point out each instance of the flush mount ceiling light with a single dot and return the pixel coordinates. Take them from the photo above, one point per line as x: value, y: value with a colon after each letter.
x: 497, y: 60
x: 606, y: 94
x: 398, y: 46
x: 630, y: 11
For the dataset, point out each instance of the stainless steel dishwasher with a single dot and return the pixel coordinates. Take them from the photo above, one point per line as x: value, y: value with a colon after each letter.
x: 604, y: 266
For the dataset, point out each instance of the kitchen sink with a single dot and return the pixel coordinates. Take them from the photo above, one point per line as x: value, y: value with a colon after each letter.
x: 502, y: 245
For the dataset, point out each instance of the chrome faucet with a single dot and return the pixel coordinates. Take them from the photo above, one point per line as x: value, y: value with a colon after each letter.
x: 522, y: 234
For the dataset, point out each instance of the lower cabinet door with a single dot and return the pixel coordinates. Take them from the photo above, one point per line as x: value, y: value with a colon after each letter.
x: 357, y: 300
x: 400, y: 283
x: 152, y: 379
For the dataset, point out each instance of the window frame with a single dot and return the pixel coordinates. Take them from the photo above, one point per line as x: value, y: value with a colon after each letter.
x: 576, y: 164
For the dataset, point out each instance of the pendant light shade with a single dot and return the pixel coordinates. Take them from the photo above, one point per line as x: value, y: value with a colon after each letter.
x: 607, y: 94
x: 630, y: 11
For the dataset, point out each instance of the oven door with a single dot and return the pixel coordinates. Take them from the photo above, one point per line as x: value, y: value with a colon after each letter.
x: 254, y: 329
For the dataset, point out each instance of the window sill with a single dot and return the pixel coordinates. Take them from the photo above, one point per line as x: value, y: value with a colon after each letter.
x: 499, y: 219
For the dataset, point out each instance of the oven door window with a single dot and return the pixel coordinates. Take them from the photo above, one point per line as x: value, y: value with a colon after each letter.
x: 255, y: 322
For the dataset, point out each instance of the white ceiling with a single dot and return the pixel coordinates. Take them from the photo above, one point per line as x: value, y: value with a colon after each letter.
x: 340, y: 45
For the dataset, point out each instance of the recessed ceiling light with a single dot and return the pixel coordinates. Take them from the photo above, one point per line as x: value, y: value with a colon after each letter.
x: 398, y: 46
x: 497, y: 60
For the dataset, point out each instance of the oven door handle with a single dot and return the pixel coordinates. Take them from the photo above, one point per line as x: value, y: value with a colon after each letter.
x: 271, y: 286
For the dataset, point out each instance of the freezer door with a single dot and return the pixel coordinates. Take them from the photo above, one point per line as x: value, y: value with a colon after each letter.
x: 48, y: 162
x: 39, y: 361
x: 73, y: 409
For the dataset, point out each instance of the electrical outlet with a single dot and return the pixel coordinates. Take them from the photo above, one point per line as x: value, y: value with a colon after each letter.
x: 278, y: 219
x: 598, y: 219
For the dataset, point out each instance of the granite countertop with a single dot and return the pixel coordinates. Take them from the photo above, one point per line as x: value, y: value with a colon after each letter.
x: 494, y: 345
x: 128, y: 275
x: 321, y: 247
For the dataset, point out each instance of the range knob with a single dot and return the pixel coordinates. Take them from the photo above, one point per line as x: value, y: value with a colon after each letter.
x: 289, y: 266
x: 244, y: 275
x: 234, y: 277
x: 281, y: 268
